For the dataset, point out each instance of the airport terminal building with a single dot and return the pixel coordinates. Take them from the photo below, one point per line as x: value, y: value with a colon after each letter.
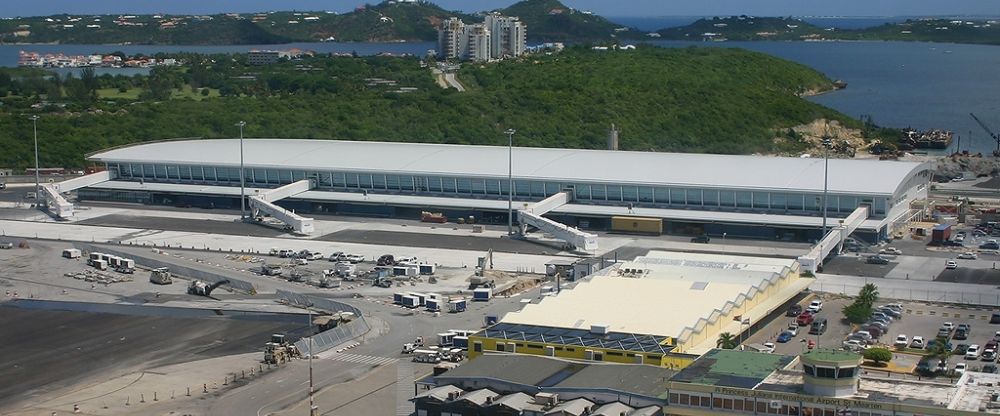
x: 743, y: 196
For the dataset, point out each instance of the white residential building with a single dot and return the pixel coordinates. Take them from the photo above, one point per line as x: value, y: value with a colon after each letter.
x: 497, y: 37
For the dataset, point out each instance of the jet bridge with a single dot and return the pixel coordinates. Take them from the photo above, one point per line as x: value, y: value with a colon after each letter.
x: 532, y: 215
x: 51, y: 193
x: 263, y: 203
x: 833, y: 240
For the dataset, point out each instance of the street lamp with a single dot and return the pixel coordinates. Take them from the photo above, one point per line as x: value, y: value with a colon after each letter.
x: 243, y: 204
x: 34, y: 122
x: 510, y: 181
x: 826, y: 174
x: 312, y: 406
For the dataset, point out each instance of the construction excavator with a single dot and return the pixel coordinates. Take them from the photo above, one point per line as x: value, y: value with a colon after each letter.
x: 201, y: 288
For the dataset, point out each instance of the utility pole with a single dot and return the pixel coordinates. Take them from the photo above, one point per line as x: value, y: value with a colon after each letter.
x: 826, y: 175
x: 510, y: 181
x: 312, y: 406
x: 243, y: 197
x: 34, y: 122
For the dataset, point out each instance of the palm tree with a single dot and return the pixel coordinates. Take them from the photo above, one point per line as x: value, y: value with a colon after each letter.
x: 868, y: 294
x: 726, y: 341
x: 939, y: 350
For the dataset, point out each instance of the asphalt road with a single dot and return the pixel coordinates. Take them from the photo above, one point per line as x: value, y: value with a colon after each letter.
x: 45, y: 350
x: 855, y: 266
x: 182, y: 224
x: 441, y: 241
x: 969, y: 275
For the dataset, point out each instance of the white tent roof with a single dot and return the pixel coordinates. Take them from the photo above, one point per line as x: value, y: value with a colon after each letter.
x: 638, y: 168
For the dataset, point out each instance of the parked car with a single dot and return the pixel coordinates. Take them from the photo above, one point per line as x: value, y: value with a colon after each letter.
x: 964, y: 327
x: 805, y: 318
x: 793, y: 329
x: 972, y: 353
x: 990, y: 368
x: 785, y: 337
x: 704, y: 239
x: 891, y: 312
x: 882, y: 316
x: 968, y: 256
x: 989, y: 246
x: 854, y: 345
x: 959, y: 368
x: 796, y: 309
x: 815, y: 306
x: 877, y: 260
x: 769, y: 347
x: 355, y: 258
x: 901, y: 341
x: 335, y: 256
x: 988, y: 355
x: 995, y: 318
x: 878, y: 324
x: 874, y: 330
x: 960, y: 349
x: 894, y: 306
x: 950, y: 265
x: 990, y: 345
x: 867, y: 336
x: 933, y: 343
x: 948, y: 326
x: 890, y: 250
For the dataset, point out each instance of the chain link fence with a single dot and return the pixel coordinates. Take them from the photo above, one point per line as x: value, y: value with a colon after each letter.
x: 155, y: 261
x: 332, y: 337
x: 924, y: 295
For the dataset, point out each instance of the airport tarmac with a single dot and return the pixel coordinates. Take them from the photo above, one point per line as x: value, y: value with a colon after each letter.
x: 47, y: 350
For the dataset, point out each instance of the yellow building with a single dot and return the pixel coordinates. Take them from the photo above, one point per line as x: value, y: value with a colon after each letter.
x: 662, y: 309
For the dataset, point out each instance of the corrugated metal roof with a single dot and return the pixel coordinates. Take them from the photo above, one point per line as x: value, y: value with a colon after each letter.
x: 649, y: 168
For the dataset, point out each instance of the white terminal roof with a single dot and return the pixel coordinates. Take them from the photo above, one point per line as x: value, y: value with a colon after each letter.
x: 665, y: 301
x: 603, y: 166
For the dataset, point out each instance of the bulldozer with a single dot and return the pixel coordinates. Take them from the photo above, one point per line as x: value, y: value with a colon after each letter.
x: 201, y: 288
x: 278, y: 350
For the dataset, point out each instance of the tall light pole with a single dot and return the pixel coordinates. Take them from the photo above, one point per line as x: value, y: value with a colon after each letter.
x: 510, y: 181
x: 243, y: 203
x: 34, y: 122
x: 826, y: 175
x: 312, y: 406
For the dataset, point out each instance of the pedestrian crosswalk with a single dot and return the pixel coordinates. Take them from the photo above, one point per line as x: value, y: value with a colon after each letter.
x: 362, y: 359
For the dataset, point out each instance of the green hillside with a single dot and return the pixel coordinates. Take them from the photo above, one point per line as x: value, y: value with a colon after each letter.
x: 743, y: 28
x: 550, y: 20
x: 146, y: 29
x: 686, y: 99
x: 382, y: 22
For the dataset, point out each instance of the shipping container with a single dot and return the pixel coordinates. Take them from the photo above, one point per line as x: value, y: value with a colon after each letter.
x: 435, y: 296
x: 941, y: 233
x: 427, y: 269
x: 412, y: 271
x: 397, y: 298
x: 71, y: 253
x: 433, y: 305
x: 100, y: 264
x: 399, y: 271
x: 411, y: 301
x: 457, y: 305
x: 460, y: 342
x: 641, y: 225
x: 482, y: 294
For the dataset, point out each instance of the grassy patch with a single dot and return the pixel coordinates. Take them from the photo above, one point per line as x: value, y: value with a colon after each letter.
x: 114, y: 93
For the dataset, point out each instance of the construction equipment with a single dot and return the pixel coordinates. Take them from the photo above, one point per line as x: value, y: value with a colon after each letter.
x: 201, y: 288
x: 160, y: 276
x: 278, y: 350
x: 990, y: 132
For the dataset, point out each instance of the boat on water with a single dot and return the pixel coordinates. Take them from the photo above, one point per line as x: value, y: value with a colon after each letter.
x: 839, y: 84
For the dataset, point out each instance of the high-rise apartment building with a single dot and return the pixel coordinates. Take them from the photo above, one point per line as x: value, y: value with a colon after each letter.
x: 497, y: 37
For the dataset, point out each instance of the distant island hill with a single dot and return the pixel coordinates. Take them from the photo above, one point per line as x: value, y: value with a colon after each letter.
x: 412, y: 20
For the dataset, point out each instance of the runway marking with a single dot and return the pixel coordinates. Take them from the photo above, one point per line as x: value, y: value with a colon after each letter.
x: 363, y: 359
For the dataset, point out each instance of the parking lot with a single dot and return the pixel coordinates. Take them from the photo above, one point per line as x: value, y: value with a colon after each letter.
x: 917, y: 319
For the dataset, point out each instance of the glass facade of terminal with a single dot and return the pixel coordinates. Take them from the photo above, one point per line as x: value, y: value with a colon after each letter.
x: 672, y: 197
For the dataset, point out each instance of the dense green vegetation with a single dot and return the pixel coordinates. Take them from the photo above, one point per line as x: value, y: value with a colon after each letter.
x: 690, y: 99
x: 550, y: 20
x: 787, y: 28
